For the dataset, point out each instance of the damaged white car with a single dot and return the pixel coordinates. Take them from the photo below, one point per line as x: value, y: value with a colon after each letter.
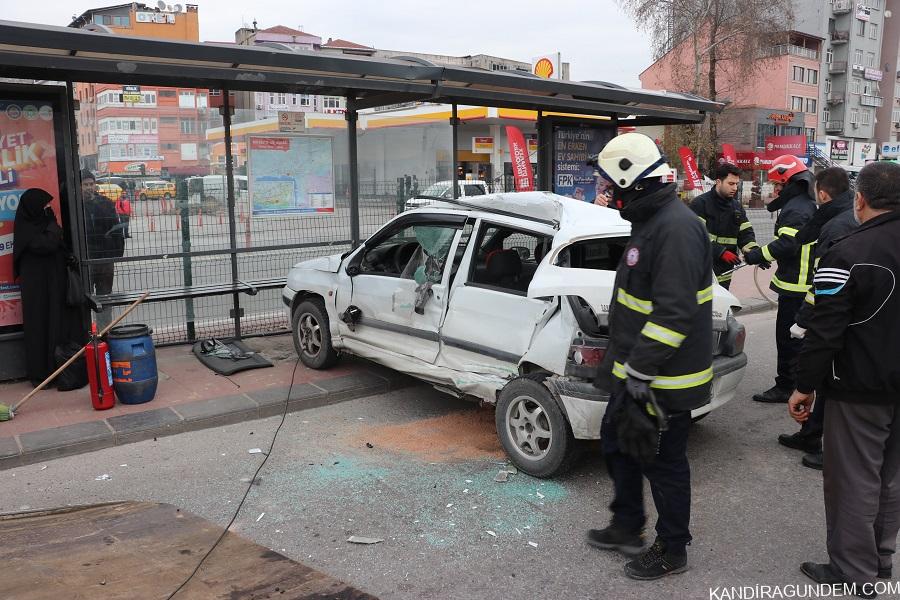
x: 501, y: 297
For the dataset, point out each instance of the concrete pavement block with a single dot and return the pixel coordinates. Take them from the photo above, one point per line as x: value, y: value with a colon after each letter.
x: 353, y: 385
x: 271, y: 400
x: 139, y: 426
x: 217, y: 412
x: 8, y: 447
x: 67, y: 440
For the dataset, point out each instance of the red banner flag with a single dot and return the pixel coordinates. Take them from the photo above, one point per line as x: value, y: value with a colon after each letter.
x: 521, y: 163
x: 728, y: 154
x: 692, y: 179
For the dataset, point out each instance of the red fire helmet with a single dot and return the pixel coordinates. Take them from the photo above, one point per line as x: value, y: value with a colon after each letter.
x: 785, y: 167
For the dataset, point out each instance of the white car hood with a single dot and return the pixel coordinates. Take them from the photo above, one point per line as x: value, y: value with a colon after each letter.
x: 327, y: 264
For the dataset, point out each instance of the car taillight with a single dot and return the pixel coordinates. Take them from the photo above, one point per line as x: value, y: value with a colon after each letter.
x: 739, y: 340
x: 588, y: 356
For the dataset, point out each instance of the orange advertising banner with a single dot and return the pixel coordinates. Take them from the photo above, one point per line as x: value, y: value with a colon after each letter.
x: 27, y: 160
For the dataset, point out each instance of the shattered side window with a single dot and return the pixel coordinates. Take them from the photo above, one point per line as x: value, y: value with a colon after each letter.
x: 427, y: 262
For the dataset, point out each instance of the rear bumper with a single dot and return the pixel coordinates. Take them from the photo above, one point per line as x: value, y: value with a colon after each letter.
x: 585, y: 405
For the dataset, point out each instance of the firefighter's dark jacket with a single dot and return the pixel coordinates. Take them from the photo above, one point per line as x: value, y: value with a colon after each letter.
x: 831, y: 222
x: 793, y: 276
x: 728, y: 226
x: 851, y: 346
x: 661, y: 315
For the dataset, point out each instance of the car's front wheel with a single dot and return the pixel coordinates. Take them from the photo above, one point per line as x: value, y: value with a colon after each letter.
x: 143, y: 197
x: 312, y: 335
x: 533, y: 429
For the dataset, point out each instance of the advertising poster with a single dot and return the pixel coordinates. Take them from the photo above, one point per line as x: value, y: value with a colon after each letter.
x: 27, y: 160
x: 290, y: 174
x: 523, y: 176
x: 573, y: 147
x: 692, y: 179
x: 840, y: 150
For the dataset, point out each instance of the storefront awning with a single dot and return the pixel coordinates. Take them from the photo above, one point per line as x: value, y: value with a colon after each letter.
x: 66, y: 54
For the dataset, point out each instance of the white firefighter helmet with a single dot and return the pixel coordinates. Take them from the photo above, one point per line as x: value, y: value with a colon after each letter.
x: 629, y: 158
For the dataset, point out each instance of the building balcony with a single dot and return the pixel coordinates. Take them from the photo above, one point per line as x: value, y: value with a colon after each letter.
x: 836, y: 98
x: 838, y: 66
x: 876, y: 101
x: 782, y: 49
x: 841, y: 7
x: 840, y: 36
x: 834, y: 126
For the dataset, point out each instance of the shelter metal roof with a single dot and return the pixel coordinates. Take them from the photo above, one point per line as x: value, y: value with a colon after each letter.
x: 66, y: 54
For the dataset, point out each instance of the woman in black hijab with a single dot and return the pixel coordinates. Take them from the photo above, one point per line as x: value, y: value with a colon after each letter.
x: 39, y: 261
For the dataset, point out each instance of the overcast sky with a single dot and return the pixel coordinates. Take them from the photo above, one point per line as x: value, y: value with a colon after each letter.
x: 593, y: 35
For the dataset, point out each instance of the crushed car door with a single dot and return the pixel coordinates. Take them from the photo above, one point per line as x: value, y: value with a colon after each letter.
x: 398, y: 286
x: 490, y: 322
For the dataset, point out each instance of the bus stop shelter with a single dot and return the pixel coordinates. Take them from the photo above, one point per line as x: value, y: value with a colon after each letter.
x: 219, y: 272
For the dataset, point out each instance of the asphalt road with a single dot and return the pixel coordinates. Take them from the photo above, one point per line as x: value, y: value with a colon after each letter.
x: 426, y: 486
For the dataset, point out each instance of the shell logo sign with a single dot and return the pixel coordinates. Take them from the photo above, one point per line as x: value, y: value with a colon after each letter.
x: 547, y: 66
x: 544, y: 68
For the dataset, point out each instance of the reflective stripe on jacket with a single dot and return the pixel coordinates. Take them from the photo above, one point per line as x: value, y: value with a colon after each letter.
x: 728, y: 227
x: 796, y: 261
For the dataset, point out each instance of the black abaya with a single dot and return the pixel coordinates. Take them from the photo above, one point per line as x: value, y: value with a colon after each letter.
x: 40, y: 264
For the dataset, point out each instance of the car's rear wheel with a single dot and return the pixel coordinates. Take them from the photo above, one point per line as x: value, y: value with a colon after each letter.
x: 143, y: 197
x: 533, y: 429
x: 312, y: 335
x: 167, y: 196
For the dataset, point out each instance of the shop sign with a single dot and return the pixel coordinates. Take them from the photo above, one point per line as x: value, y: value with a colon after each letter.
x: 149, y: 17
x: 873, y: 74
x: 482, y: 145
x: 782, y: 117
x: 131, y: 93
x: 289, y: 121
x: 532, y: 142
x: 890, y: 150
x: 863, y: 153
x: 840, y: 150
x: 862, y: 12
x: 778, y: 145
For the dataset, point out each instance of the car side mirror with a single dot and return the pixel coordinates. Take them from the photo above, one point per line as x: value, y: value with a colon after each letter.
x: 353, y: 270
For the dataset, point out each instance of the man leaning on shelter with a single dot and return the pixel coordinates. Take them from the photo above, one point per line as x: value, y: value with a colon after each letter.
x: 851, y: 352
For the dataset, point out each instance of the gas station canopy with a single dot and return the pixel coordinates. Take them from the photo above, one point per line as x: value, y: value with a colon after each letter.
x: 54, y: 53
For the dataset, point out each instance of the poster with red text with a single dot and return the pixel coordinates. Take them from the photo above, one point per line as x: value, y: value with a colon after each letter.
x: 27, y: 160
x: 692, y: 179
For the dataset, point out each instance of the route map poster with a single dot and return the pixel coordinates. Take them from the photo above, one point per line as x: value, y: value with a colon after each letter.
x: 27, y: 160
x: 290, y: 174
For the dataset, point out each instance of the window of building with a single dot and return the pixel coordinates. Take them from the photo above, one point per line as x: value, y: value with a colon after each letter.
x: 188, y: 126
x: 870, y: 59
x: 332, y: 102
x: 811, y: 105
x: 168, y: 120
x: 763, y: 130
x: 855, y: 85
x: 201, y: 101
x: 861, y: 28
x: 827, y: 86
x: 895, y: 116
x: 812, y: 76
x: 272, y: 98
x: 799, y: 74
x: 873, y: 31
x: 854, y: 115
x: 153, y: 126
x: 186, y: 99
x: 826, y: 115
x: 796, y: 103
x: 870, y: 88
x: 166, y: 93
x: 810, y: 134
x: 865, y: 116
x: 121, y: 21
x: 858, y: 56
x: 829, y: 56
x: 282, y: 99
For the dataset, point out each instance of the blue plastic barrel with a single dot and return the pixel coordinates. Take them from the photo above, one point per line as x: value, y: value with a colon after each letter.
x: 133, y: 363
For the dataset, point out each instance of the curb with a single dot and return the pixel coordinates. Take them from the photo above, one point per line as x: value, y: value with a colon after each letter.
x: 68, y: 440
x: 754, y: 305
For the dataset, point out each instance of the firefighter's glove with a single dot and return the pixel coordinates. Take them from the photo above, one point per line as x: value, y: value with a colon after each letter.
x: 755, y: 257
x: 639, y: 424
x: 730, y: 257
x: 638, y: 389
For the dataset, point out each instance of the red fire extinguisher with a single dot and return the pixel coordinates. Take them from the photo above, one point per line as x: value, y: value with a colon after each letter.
x: 99, y: 372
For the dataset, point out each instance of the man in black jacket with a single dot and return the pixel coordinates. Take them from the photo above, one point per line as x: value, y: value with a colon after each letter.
x: 659, y: 357
x: 105, y: 238
x: 730, y: 231
x: 850, y: 353
x: 833, y: 220
x: 794, y: 185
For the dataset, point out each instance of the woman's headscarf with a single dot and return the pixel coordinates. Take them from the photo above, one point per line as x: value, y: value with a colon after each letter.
x: 31, y: 221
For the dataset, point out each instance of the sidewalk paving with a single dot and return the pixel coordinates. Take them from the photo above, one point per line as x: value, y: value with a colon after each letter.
x: 191, y: 397
x: 743, y: 286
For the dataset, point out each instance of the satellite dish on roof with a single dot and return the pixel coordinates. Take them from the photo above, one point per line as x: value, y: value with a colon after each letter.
x: 161, y: 5
x: 177, y: 8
